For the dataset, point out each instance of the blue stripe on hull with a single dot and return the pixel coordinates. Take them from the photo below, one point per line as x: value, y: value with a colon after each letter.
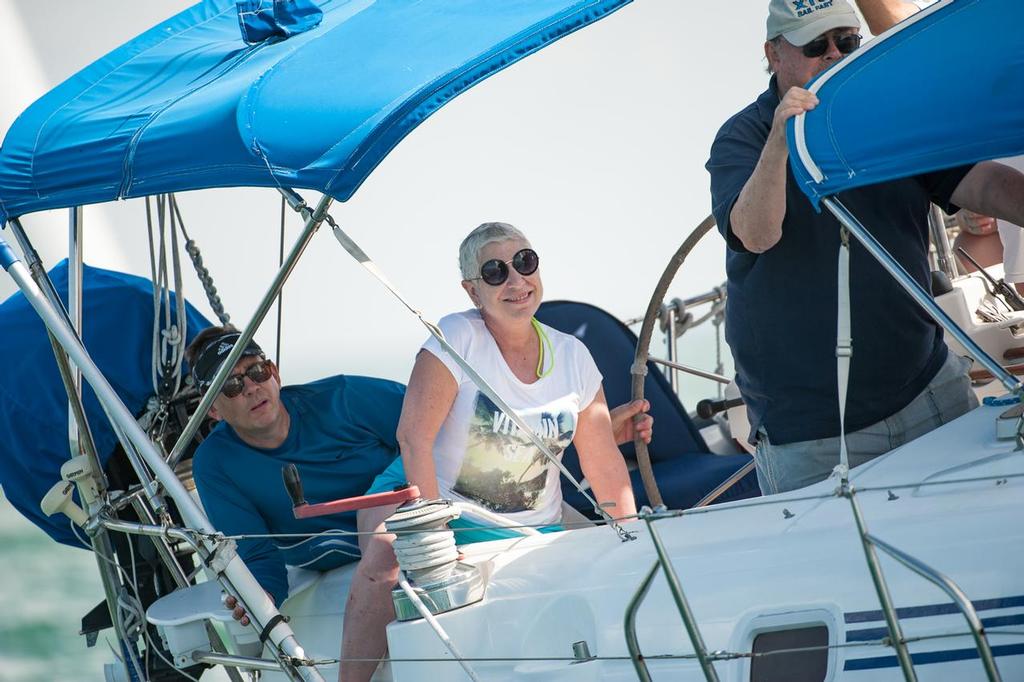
x: 927, y: 657
x: 935, y: 609
x: 870, y: 634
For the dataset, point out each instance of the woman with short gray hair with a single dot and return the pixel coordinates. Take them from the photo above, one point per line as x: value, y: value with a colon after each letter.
x: 457, y: 444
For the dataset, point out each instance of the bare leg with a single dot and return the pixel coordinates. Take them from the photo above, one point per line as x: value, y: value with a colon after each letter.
x: 369, y: 608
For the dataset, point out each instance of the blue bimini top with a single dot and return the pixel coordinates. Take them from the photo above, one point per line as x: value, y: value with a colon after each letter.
x: 314, y: 100
x: 943, y: 89
x: 117, y: 314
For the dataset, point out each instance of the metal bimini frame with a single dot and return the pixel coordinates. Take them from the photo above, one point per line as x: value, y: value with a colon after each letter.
x: 918, y: 293
x: 217, y: 553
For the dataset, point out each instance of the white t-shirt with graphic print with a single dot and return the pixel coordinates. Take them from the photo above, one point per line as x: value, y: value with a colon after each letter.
x: 480, y: 454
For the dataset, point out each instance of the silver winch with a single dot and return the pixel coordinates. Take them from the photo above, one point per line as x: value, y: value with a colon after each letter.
x: 426, y: 553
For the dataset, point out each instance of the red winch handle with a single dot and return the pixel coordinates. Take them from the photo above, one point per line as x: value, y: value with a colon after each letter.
x: 304, y: 510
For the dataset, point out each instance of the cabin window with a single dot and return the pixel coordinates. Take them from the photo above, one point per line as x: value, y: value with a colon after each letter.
x: 810, y: 665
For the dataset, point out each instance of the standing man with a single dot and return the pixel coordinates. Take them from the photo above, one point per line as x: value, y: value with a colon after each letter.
x: 782, y: 271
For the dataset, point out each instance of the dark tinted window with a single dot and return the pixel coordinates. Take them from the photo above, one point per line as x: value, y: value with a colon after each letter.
x: 791, y: 666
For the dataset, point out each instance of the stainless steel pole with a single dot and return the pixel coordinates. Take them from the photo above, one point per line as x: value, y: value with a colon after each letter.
x: 689, y: 620
x: 64, y: 365
x: 918, y: 293
x: 692, y: 370
x: 943, y: 253
x: 957, y: 595
x: 228, y: 366
x: 632, y: 609
x: 75, y: 253
x: 892, y: 621
x: 231, y: 570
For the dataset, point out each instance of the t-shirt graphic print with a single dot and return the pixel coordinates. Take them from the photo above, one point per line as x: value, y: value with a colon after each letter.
x: 503, y: 470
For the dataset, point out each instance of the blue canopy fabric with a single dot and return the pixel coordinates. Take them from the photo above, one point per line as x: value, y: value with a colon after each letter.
x: 189, y: 105
x: 117, y: 314
x: 942, y: 89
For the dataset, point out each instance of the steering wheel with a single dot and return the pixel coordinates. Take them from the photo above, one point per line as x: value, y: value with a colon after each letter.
x: 639, y: 368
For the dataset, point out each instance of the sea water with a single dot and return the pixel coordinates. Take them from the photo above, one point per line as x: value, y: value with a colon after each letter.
x: 45, y: 589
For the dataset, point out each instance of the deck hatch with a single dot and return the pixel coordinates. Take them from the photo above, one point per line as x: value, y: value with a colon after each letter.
x: 810, y: 665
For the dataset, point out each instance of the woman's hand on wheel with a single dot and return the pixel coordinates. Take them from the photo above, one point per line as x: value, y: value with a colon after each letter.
x: 631, y: 420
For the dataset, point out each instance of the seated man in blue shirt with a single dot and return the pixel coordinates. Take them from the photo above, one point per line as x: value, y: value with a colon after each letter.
x: 338, y: 431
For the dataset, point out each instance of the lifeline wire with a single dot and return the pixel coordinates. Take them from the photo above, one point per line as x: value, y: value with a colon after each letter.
x: 720, y: 655
x: 671, y: 513
x: 715, y: 656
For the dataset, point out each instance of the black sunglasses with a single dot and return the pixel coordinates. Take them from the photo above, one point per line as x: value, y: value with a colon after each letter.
x: 257, y: 372
x: 819, y: 46
x: 495, y: 272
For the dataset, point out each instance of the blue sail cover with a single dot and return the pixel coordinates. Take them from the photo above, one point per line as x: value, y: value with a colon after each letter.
x: 942, y: 89
x: 117, y: 313
x: 188, y: 104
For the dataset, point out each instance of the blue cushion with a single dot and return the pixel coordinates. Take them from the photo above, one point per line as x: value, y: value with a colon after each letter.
x: 683, y: 465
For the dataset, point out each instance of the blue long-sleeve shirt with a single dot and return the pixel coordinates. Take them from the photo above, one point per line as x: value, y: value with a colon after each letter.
x: 342, y: 434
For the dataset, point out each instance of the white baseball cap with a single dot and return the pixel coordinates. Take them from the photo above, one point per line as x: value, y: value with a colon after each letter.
x: 801, y: 21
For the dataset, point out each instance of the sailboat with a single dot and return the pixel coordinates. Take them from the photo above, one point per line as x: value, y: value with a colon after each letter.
x: 902, y: 568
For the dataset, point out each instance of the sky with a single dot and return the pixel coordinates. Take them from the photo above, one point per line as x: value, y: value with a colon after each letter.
x: 595, y: 147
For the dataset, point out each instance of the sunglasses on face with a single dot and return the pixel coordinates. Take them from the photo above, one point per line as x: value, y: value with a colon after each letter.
x: 257, y: 373
x: 819, y: 46
x: 495, y: 271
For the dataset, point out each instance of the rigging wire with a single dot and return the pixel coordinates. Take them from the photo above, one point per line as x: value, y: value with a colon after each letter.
x: 169, y: 333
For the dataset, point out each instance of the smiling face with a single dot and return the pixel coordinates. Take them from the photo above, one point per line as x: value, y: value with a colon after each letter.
x: 514, y: 300
x: 256, y: 415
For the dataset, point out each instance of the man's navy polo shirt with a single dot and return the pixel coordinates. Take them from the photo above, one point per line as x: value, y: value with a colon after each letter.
x: 781, y: 317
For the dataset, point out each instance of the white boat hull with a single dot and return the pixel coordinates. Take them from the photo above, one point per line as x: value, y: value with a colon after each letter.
x: 793, y: 559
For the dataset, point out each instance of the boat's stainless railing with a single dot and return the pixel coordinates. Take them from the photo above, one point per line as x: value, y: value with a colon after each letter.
x: 664, y: 563
x: 868, y: 542
x: 956, y: 594
x: 675, y: 320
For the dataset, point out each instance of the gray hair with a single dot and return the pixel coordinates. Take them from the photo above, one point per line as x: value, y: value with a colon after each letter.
x: 481, y: 236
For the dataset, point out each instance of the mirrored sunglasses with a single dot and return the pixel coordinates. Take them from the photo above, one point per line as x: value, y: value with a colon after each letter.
x: 257, y: 373
x: 495, y: 271
x: 819, y: 46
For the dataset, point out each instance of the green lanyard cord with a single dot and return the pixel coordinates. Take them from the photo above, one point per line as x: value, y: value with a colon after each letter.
x: 543, y: 340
